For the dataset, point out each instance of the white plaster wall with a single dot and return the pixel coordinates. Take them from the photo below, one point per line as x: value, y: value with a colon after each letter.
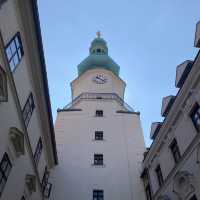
x: 15, y: 186
x: 75, y: 177
x: 85, y: 83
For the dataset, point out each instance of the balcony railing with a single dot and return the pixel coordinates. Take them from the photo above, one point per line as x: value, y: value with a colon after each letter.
x: 99, y: 97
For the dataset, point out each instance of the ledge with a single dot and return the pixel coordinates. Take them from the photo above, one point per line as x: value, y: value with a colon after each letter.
x: 68, y: 110
x: 128, y: 112
x: 98, y: 166
x: 93, y: 140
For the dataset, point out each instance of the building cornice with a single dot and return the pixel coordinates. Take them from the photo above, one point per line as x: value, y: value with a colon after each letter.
x: 68, y: 110
x: 127, y: 112
x: 44, y: 75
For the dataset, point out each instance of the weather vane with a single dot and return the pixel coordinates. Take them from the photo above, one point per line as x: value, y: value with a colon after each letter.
x: 98, y: 34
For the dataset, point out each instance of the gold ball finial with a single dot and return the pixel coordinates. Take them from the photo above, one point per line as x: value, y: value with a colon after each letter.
x: 98, y: 34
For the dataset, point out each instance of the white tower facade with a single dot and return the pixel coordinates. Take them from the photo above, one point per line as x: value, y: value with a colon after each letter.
x: 99, y: 137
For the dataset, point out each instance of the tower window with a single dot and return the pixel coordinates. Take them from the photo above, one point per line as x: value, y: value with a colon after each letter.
x: 98, y: 195
x: 175, y: 151
x: 195, y: 116
x: 14, y: 51
x: 98, y: 50
x: 28, y: 109
x: 23, y: 198
x: 193, y: 197
x: 98, y: 159
x: 5, y: 168
x: 3, y: 85
x: 99, y: 113
x: 159, y: 175
x: 98, y: 135
x: 38, y: 151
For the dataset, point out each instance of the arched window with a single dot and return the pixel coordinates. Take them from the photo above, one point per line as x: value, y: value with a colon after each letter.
x: 98, y: 50
x: 3, y: 86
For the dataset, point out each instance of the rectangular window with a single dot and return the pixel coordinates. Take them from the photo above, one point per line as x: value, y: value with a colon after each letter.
x: 5, y: 168
x: 23, y: 198
x: 38, y: 151
x: 175, y: 151
x: 28, y: 109
x: 3, y: 85
x: 145, y: 178
x: 46, y: 186
x: 99, y: 113
x: 159, y: 175
x: 193, y: 197
x: 195, y: 116
x: 148, y: 192
x: 98, y: 135
x: 14, y: 51
x: 98, y: 159
x: 98, y: 195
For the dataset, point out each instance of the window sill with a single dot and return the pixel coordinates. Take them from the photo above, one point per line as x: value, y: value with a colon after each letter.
x: 98, y: 166
x: 93, y: 140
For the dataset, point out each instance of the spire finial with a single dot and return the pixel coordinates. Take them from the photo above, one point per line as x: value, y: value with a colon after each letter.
x: 98, y: 34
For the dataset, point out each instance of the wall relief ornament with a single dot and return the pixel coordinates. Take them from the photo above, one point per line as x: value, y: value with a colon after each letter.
x: 183, y: 184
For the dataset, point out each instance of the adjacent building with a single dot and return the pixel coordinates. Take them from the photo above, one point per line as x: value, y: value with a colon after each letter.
x: 27, y: 140
x: 171, y: 167
x: 99, y: 137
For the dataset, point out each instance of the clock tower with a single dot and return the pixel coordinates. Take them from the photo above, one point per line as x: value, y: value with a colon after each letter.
x: 99, y: 136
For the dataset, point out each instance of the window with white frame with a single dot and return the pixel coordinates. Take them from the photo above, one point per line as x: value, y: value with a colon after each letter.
x: 14, y: 51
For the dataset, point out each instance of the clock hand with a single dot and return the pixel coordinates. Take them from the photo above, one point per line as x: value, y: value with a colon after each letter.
x: 99, y: 78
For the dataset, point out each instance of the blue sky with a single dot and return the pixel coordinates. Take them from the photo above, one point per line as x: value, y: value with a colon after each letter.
x: 148, y: 39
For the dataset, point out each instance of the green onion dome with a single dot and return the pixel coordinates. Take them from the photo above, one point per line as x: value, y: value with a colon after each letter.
x: 98, y: 58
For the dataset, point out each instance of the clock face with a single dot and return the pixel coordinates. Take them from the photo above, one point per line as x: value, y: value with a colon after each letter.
x: 99, y: 79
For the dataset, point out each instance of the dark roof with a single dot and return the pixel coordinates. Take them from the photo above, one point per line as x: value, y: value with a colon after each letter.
x: 44, y: 75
